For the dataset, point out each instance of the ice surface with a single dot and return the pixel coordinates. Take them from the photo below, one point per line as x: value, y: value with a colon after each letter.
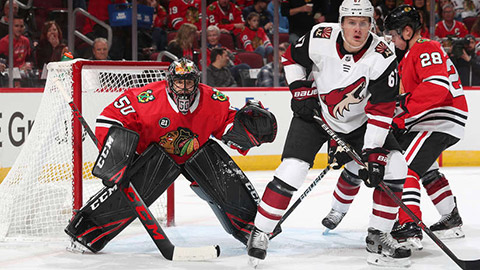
x: 302, y: 245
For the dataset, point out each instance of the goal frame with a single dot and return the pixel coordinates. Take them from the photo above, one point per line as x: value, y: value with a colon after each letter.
x: 77, y: 186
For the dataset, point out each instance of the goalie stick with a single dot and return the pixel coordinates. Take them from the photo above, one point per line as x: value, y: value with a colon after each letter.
x: 149, y: 222
x: 464, y: 264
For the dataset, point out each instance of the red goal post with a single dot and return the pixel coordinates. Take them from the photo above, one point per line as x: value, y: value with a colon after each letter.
x: 52, y: 174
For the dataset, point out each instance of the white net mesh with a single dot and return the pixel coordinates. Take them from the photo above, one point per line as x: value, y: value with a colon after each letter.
x: 36, y: 196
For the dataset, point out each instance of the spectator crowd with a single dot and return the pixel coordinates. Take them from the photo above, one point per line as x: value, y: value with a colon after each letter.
x: 239, y: 33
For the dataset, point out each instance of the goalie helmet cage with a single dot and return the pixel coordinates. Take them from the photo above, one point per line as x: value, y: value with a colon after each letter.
x: 52, y: 177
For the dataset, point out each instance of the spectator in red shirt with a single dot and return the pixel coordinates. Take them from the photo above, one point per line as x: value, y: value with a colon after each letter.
x: 254, y: 38
x: 226, y: 15
x: 184, y: 11
x: 21, y: 46
x: 448, y: 26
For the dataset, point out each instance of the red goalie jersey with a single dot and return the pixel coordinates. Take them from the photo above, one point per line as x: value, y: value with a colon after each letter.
x: 435, y: 100
x: 151, y: 113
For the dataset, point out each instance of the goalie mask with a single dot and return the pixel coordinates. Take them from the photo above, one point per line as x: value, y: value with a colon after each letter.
x: 183, y: 78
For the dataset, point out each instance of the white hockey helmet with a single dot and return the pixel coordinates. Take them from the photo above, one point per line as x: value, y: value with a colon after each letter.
x: 360, y: 8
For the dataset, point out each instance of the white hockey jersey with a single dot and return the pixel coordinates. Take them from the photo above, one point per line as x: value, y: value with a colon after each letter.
x: 352, y: 88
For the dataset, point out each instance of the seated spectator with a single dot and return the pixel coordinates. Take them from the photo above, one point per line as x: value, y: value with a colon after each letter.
x: 260, y: 7
x: 182, y: 44
x: 387, y: 6
x: 282, y: 20
x: 244, y: 3
x: 378, y: 17
x: 100, y: 49
x: 470, y: 9
x: 467, y: 62
x: 184, y: 11
x: 265, y: 76
x: 21, y: 46
x: 226, y: 15
x: 475, y: 31
x: 448, y: 26
x: 218, y: 73
x: 4, y: 19
x: 51, y: 46
x: 213, y: 37
x: 159, y: 35
x: 254, y: 38
x: 425, y: 32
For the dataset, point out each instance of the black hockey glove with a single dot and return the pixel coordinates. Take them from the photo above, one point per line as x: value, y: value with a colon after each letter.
x: 337, y: 155
x: 304, y: 99
x: 375, y: 159
x: 253, y: 125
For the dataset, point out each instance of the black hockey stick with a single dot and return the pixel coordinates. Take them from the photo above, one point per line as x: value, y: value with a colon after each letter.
x: 464, y: 264
x: 300, y: 199
x: 149, y: 222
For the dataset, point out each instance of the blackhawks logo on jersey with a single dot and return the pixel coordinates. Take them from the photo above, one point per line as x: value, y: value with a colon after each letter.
x: 145, y: 96
x: 217, y: 95
x: 323, y: 32
x: 338, y: 101
x: 384, y: 50
x: 180, y: 142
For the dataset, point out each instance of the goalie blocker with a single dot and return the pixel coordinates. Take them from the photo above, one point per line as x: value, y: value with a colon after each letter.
x: 220, y: 182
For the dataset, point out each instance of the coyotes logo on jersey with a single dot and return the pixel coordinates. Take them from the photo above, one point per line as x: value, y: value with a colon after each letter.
x: 323, y: 32
x: 383, y: 49
x: 180, y: 142
x: 339, y: 100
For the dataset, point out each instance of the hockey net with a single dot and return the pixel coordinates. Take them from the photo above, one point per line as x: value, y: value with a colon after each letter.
x: 52, y: 175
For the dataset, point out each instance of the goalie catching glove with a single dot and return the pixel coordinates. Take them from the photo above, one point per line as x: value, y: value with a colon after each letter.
x: 253, y: 125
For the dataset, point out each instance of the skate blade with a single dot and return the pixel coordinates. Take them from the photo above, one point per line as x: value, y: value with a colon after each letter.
x: 381, y: 260
x: 253, y: 262
x: 452, y: 233
x: 75, y: 247
x: 412, y: 243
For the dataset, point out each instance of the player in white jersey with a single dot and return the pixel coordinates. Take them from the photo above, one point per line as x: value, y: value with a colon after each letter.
x: 349, y: 75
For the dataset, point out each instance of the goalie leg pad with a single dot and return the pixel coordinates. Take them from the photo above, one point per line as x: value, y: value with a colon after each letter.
x: 107, y: 213
x: 116, y: 155
x: 223, y: 184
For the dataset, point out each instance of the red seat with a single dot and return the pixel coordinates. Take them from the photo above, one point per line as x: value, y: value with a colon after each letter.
x: 226, y: 40
x: 469, y: 21
x: 254, y: 60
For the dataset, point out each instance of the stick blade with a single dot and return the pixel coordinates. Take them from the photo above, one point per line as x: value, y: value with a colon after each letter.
x: 195, y: 253
x: 470, y: 265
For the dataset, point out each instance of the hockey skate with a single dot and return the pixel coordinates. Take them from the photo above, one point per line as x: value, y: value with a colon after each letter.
x: 408, y: 235
x: 257, y: 246
x: 386, y: 251
x: 449, y: 226
x: 333, y: 218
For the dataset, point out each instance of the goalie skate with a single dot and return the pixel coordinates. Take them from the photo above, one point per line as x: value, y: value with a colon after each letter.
x: 408, y: 235
x: 386, y: 251
x: 449, y: 226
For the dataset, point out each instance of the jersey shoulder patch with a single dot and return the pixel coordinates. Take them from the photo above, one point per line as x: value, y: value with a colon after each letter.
x: 383, y: 49
x: 217, y: 95
x: 323, y: 32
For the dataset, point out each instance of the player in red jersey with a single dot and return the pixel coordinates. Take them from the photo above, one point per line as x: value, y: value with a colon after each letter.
x: 433, y: 119
x: 226, y: 15
x: 184, y: 11
x: 180, y: 115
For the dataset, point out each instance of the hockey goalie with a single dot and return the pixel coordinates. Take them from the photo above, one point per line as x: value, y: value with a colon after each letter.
x: 171, y: 122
